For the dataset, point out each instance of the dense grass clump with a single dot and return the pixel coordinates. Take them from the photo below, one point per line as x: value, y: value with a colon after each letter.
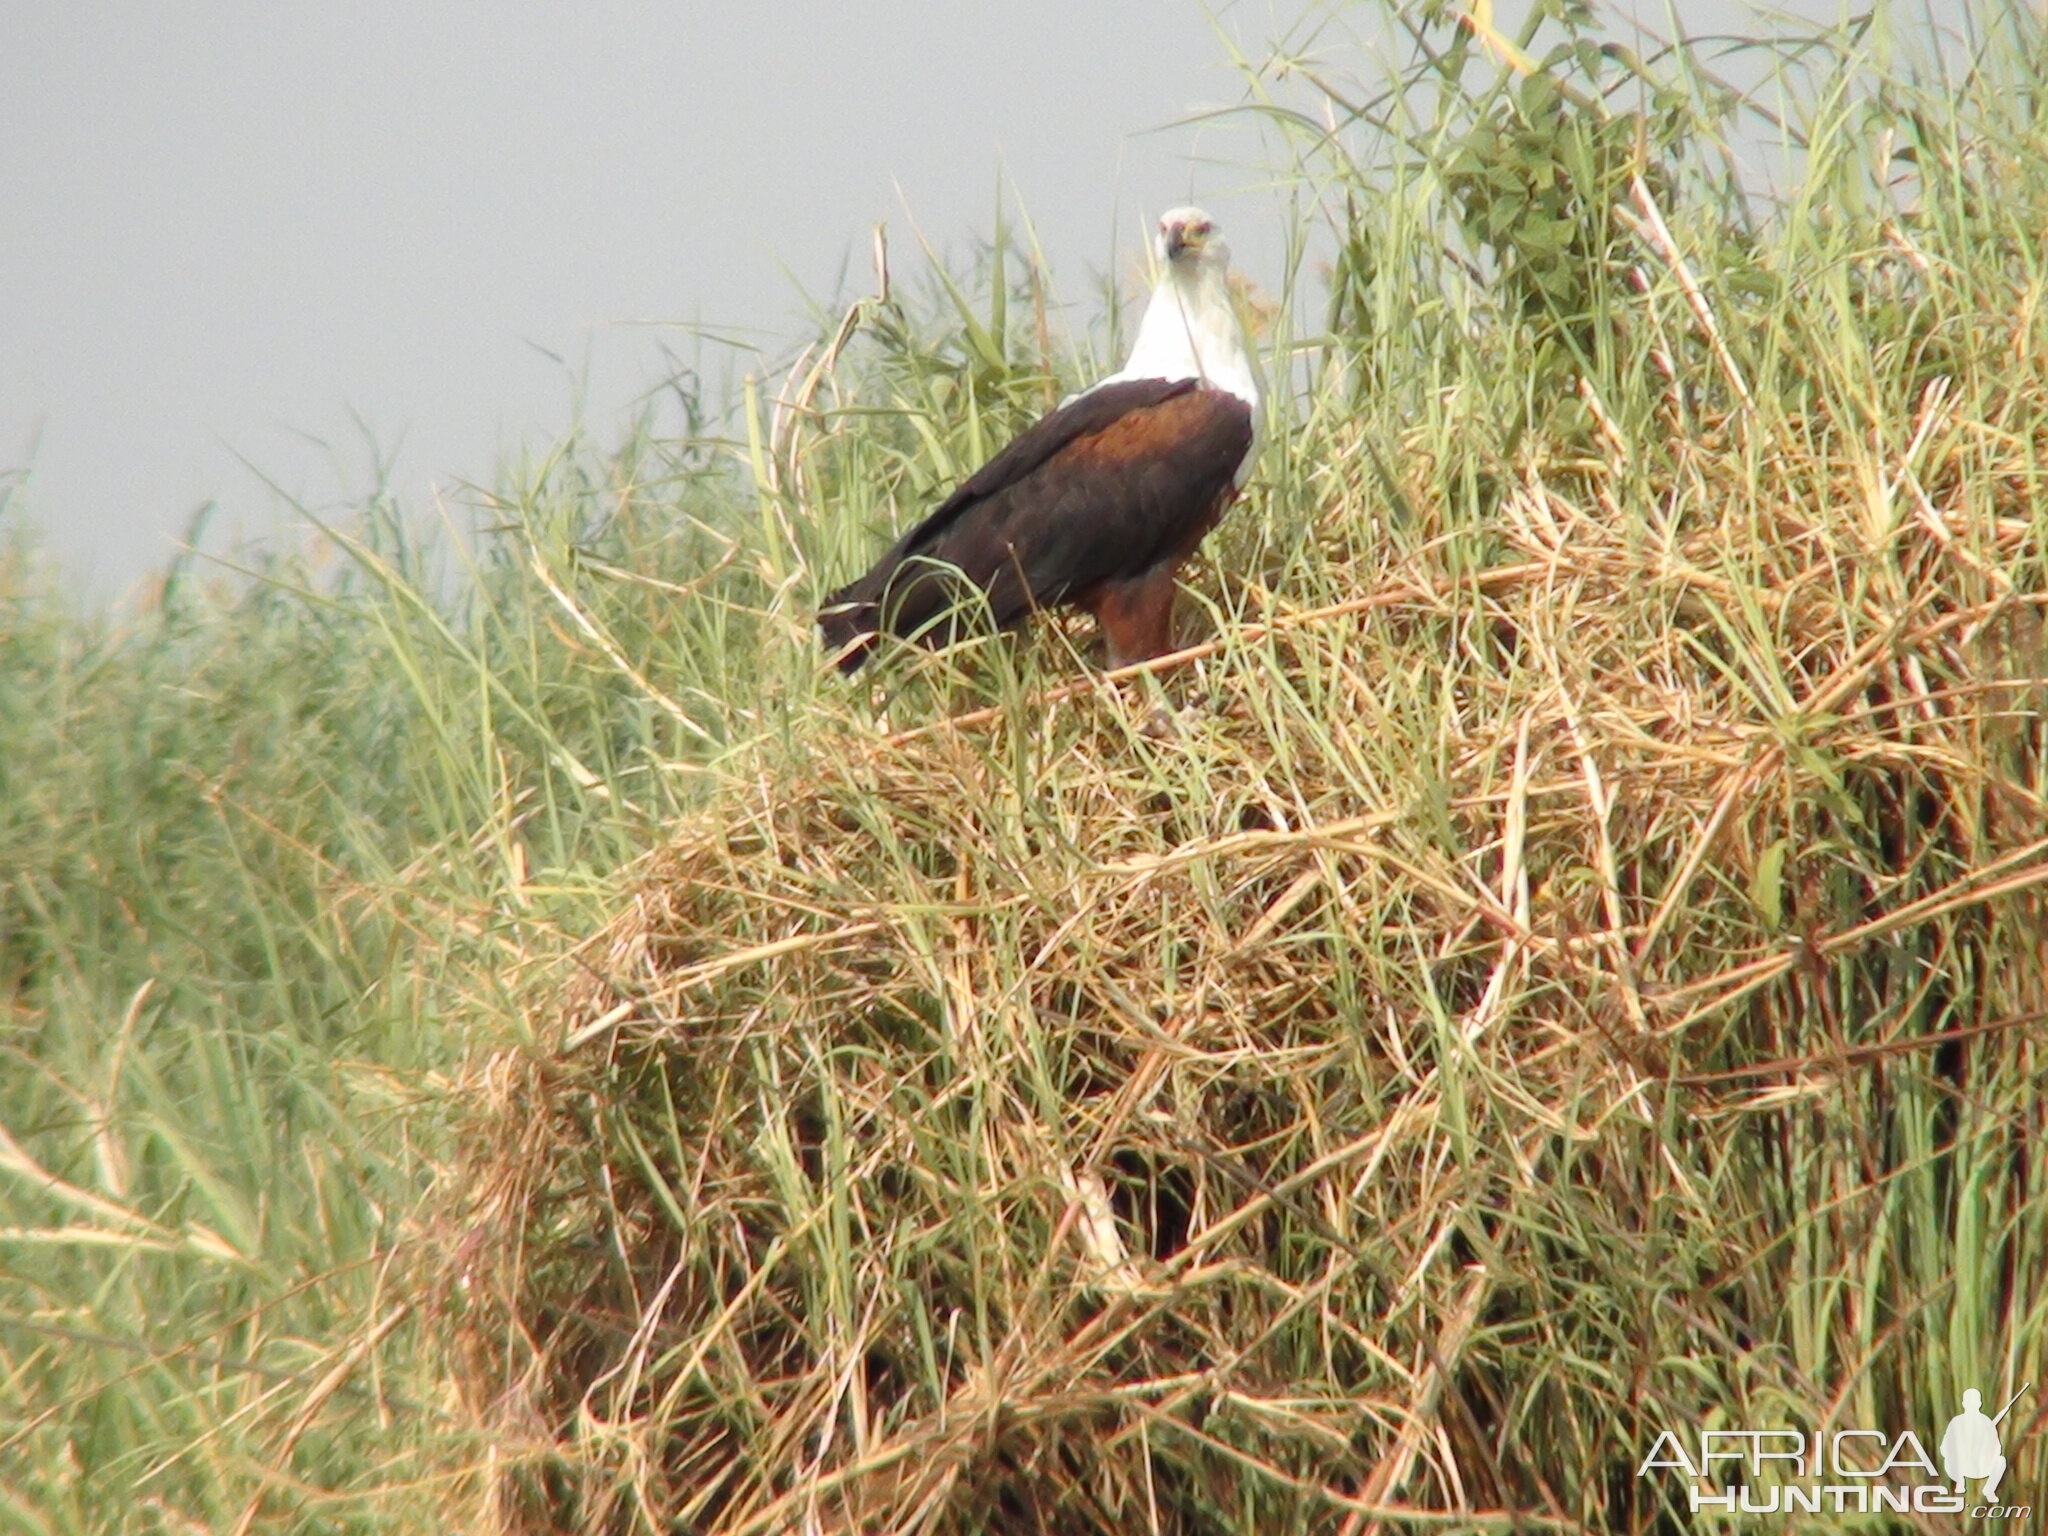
x: 1355, y: 1102
x: 507, y: 1039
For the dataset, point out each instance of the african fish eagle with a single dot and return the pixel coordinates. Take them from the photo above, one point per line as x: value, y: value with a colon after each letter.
x: 1098, y: 503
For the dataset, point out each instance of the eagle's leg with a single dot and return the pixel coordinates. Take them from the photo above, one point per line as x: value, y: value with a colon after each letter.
x: 1136, y: 616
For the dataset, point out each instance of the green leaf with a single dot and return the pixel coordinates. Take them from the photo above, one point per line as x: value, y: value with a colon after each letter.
x: 1767, y: 885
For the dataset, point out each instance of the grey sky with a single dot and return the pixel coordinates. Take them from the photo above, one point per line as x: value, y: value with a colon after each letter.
x: 226, y: 225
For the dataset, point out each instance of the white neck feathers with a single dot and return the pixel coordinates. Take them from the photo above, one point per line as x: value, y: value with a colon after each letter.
x: 1191, y: 331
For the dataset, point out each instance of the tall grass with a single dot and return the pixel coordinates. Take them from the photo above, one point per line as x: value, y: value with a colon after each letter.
x: 527, y: 1046
x: 212, y: 1028
x: 255, y: 839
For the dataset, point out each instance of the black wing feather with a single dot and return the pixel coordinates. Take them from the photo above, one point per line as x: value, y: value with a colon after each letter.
x: 1082, y: 416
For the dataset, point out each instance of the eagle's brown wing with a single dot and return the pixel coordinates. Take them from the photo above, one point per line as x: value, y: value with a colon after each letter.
x: 1095, y: 504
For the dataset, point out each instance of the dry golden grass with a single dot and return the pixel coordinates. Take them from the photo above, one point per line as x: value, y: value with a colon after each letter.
x: 1452, y: 1054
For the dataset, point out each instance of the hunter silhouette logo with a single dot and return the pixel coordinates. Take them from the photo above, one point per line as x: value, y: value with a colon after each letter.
x: 1862, y: 1471
x: 1970, y: 1446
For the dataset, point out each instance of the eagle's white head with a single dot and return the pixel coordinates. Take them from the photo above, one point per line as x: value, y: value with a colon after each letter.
x: 1189, y: 239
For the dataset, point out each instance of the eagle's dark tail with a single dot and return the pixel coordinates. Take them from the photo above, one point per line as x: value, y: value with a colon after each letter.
x: 910, y: 593
x: 849, y: 621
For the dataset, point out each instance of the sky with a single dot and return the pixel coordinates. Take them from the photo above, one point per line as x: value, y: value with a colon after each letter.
x: 235, y: 231
x: 251, y: 251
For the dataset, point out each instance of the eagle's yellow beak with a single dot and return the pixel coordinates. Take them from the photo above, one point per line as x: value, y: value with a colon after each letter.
x: 1185, y: 235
